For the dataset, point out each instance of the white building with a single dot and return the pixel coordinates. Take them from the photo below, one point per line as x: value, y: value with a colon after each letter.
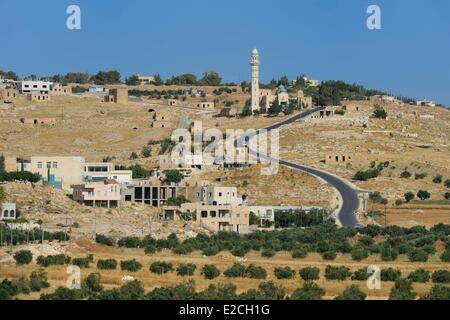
x: 42, y: 87
x: 218, y: 196
x: 9, y: 211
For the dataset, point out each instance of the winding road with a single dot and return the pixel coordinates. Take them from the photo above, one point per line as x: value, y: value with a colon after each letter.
x: 349, y: 195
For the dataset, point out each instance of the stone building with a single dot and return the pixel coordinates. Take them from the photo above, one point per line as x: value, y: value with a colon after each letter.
x: 161, y: 119
x: 205, y: 105
x: 8, y: 95
x: 334, y: 158
x: 104, y: 195
x: 38, y: 121
x: 118, y: 95
x: 60, y: 90
x: 38, y: 97
x: 9, y: 211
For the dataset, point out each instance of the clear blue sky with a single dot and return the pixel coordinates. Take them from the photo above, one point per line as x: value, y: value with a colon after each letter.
x: 326, y: 39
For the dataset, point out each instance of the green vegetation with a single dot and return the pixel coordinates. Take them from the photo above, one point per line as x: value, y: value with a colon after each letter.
x: 19, y: 176
x: 409, y: 196
x: 337, y: 273
x: 309, y: 273
x: 379, y: 112
x: 423, y: 195
x: 419, y: 275
x: 284, y: 273
x: 59, y: 259
x: 106, y: 77
x: 437, y: 179
x: 352, y: 292
x: 130, y: 265
x: 83, y: 262
x: 102, y: 239
x: 235, y: 271
x: 107, y: 264
x: 210, y: 271
x: 173, y: 176
x: 161, y: 267
x: 186, y: 269
x: 23, y: 257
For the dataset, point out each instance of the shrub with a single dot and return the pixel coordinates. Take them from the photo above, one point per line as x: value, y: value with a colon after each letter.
x: 437, y: 179
x: 300, y: 253
x: 388, y: 254
x: 398, y: 202
x: 130, y: 265
x: 423, y: 195
x: 59, y: 259
x: 352, y: 292
x: 409, y: 196
x: 210, y: 250
x: 419, y: 275
x: 268, y: 253
x: 186, y: 269
x: 337, y: 273
x: 210, y: 271
x: 447, y: 196
x: 284, y: 273
x: 23, y: 257
x: 447, y: 183
x: 83, y: 262
x: 361, y: 275
x: 329, y: 255
x: 445, y: 257
x: 146, y: 152
x: 107, y: 264
x: 359, y: 253
x: 379, y: 112
x: 102, y: 239
x: 235, y: 271
x: 309, y: 291
x: 405, y: 174
x: 419, y: 176
x: 161, y: 267
x: 441, y: 276
x: 130, y: 242
x: 309, y: 273
x: 255, y: 272
x: 438, y: 292
x: 417, y: 255
x: 390, y: 274
x: 92, y: 283
x: 150, y: 249
x: 38, y: 280
x: 402, y: 290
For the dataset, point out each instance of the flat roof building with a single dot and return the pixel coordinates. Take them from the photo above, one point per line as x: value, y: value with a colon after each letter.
x: 42, y: 87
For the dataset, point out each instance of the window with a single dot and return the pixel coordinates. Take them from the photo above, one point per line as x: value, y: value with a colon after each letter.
x: 39, y: 165
x: 11, y: 213
x: 220, y: 194
x: 213, y: 214
x: 49, y: 165
x: 204, y: 214
x: 5, y: 213
x: 55, y: 165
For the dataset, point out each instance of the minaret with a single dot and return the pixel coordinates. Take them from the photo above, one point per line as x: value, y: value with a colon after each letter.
x: 255, y: 80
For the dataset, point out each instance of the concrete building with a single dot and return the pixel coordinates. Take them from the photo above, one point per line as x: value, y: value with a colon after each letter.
x: 9, y: 211
x: 60, y: 90
x: 40, y: 87
x: 8, y: 95
x: 255, y: 81
x: 118, y: 95
x: 98, y: 90
x: 302, y: 101
x: 426, y: 103
x: 217, y: 196
x: 152, y: 192
x: 333, y: 158
x: 99, y: 172
x: 172, y: 102
x: 104, y: 195
x: 38, y: 97
x: 60, y: 172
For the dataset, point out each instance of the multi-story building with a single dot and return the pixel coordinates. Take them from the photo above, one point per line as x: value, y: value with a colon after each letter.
x: 105, y: 195
x: 60, y: 90
x: 217, y: 196
x: 145, y: 80
x: 98, y: 172
x: 42, y: 87
x: 118, y: 95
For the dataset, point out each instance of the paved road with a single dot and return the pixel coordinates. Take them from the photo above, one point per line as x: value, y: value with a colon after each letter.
x: 347, y: 214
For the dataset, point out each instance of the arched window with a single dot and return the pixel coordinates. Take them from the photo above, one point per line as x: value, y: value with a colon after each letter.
x: 5, y: 213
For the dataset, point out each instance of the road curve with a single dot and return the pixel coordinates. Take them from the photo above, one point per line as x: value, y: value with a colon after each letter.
x: 350, y: 201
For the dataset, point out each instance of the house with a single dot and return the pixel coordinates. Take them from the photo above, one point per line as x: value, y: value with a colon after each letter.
x: 38, y: 121
x: 99, y: 172
x: 333, y: 158
x: 217, y: 196
x: 118, y: 95
x: 98, y: 90
x: 60, y: 90
x: 38, y: 97
x: 205, y: 105
x: 104, y: 195
x: 39, y: 87
x: 151, y: 192
x: 9, y: 211
x: 8, y: 95
x: 161, y: 120
x: 145, y: 80
x: 426, y: 103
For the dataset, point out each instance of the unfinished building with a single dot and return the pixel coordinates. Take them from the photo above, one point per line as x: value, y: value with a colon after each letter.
x: 205, y: 105
x: 104, y: 195
x: 60, y: 90
x: 152, y: 193
x: 118, y: 95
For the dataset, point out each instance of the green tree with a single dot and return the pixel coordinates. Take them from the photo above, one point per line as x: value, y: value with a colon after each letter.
x: 146, y: 152
x: 133, y: 80
x: 235, y: 271
x: 23, y: 257
x: 133, y: 156
x: 161, y: 267
x: 423, y: 195
x: 186, y: 269
x: 379, y: 112
x: 405, y: 174
x: 309, y: 291
x: 437, y: 179
x: 419, y: 275
x: 2, y: 163
x: 352, y: 292
x: 255, y: 272
x: 284, y: 273
x: 309, y: 273
x: 409, y: 196
x: 130, y: 265
x: 173, y: 176
x: 402, y: 290
x: 210, y: 271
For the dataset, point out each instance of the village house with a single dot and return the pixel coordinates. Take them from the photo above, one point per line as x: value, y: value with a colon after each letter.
x: 161, y: 119
x: 99, y: 172
x: 8, y: 95
x: 38, y: 97
x: 333, y: 158
x: 104, y: 195
x: 145, y: 80
x: 217, y: 196
x: 60, y: 90
x: 118, y: 95
x: 205, y: 105
x: 9, y: 211
x: 38, y: 121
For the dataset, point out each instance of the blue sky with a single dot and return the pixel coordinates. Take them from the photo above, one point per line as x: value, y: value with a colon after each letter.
x: 326, y: 39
